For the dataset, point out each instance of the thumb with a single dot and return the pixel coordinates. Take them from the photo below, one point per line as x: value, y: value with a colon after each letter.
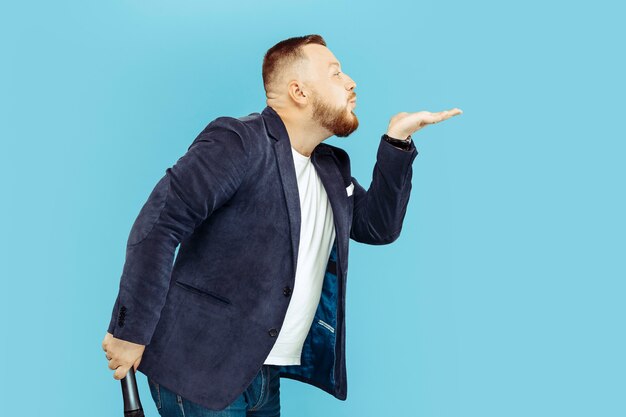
x: 120, y: 372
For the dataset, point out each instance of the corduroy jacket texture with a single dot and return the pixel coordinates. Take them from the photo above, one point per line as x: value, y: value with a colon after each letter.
x: 210, y: 317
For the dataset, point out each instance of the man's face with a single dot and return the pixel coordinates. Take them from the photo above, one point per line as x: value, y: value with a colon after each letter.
x: 332, y: 92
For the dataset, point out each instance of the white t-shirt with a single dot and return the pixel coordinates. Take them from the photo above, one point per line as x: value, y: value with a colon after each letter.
x: 317, y: 233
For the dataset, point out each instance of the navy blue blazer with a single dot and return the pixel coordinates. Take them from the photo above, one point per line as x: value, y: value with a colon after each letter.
x: 210, y: 317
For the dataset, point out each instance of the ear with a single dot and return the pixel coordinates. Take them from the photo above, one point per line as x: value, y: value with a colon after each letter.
x: 297, y: 92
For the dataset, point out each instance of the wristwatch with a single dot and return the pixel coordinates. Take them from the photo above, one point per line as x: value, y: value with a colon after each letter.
x: 399, y: 143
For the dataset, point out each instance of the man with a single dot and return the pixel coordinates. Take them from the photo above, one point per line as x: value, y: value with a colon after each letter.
x: 263, y: 212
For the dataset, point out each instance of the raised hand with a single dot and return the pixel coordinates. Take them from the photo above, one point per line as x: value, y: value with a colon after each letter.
x: 404, y: 124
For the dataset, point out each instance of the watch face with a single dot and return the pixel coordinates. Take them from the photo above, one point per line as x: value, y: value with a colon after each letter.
x: 396, y: 140
x: 389, y: 138
x: 404, y: 144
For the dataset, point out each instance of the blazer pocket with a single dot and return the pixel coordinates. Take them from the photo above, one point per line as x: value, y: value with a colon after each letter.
x: 202, y: 292
x: 350, y: 189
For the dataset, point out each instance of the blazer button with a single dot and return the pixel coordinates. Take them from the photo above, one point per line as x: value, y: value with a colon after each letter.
x: 273, y: 332
x: 287, y: 291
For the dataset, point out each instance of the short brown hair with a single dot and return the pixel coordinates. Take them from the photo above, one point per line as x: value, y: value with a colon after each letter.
x: 283, y: 54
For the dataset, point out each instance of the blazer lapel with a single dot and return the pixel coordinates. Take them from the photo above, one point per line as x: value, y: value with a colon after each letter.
x: 328, y: 172
x: 287, y: 169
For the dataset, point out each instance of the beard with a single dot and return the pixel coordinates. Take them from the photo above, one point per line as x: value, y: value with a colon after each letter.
x: 338, y: 120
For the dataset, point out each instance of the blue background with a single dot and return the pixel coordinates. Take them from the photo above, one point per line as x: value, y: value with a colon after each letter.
x: 504, y: 295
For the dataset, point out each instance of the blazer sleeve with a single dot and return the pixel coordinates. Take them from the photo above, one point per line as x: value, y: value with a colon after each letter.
x: 203, y: 179
x: 378, y: 213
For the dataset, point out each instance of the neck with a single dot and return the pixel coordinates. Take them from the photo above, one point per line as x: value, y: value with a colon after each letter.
x: 304, y: 133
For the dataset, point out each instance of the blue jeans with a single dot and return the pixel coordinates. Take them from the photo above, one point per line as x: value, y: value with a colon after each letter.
x: 261, y: 399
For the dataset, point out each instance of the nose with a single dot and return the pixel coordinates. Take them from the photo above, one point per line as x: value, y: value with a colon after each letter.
x: 350, y: 85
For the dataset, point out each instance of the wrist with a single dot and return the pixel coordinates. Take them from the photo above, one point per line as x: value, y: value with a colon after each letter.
x: 404, y: 144
x: 397, y: 135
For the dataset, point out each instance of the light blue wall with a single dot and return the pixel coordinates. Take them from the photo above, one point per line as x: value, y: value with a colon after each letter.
x: 502, y: 297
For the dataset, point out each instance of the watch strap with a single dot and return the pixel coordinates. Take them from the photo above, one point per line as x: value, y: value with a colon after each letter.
x: 399, y: 143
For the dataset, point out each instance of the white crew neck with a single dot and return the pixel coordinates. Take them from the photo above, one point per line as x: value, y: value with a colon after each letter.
x: 299, y: 155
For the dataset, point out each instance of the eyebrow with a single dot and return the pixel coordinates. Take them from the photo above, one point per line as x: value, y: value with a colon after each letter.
x: 334, y: 63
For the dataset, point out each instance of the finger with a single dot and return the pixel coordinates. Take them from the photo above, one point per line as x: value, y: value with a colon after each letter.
x: 113, y: 364
x: 432, y: 118
x: 121, y: 372
x: 455, y: 111
x: 136, y: 365
x: 446, y: 114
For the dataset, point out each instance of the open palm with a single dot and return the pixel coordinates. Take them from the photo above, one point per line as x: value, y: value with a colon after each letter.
x: 404, y: 124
